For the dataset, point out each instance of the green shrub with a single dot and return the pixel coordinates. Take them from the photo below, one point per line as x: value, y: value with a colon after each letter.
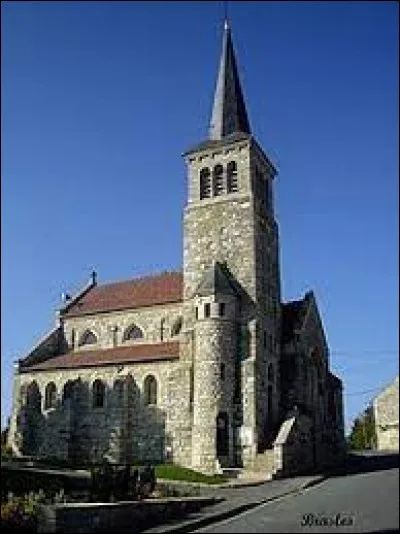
x: 20, y: 513
x: 176, y: 472
x: 167, y: 490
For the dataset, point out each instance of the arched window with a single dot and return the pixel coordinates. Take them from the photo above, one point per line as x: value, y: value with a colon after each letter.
x: 132, y: 333
x: 205, y: 183
x: 99, y: 393
x: 231, y: 176
x: 176, y: 327
x: 50, y: 396
x: 87, y: 338
x: 150, y: 390
x: 33, y: 396
x: 218, y: 180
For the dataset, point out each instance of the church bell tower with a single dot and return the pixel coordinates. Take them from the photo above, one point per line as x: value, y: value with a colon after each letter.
x: 230, y: 231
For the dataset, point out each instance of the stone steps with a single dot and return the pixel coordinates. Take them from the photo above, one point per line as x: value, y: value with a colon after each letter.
x: 232, y: 472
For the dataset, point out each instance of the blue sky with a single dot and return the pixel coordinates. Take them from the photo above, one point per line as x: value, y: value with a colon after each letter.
x: 99, y: 101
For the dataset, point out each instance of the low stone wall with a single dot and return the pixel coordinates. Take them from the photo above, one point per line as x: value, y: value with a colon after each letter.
x: 116, y: 517
x: 20, y: 479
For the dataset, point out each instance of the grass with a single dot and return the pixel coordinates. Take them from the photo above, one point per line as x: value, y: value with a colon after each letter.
x: 176, y: 472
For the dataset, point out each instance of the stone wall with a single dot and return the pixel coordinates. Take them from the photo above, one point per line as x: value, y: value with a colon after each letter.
x: 308, y: 384
x: 156, y: 323
x: 386, y: 415
x: 116, y: 517
x: 123, y: 426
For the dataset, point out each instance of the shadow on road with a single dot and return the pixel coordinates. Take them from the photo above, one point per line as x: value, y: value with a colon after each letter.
x: 365, y: 463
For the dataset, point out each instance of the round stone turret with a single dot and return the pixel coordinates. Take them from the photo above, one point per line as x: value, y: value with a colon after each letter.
x: 214, y: 377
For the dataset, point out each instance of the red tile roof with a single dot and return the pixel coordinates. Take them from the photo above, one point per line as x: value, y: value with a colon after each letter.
x: 118, y: 355
x: 157, y: 289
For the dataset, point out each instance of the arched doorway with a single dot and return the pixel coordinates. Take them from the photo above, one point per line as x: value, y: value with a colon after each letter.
x: 222, y: 424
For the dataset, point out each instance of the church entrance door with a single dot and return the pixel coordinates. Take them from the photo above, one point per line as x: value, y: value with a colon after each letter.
x: 222, y: 424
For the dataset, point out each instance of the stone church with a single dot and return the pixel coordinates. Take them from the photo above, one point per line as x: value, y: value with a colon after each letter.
x: 205, y: 367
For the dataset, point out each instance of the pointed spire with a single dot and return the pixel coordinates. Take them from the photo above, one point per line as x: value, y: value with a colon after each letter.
x: 229, y: 111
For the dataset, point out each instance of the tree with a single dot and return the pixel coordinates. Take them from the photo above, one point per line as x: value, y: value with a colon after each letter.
x: 362, y: 435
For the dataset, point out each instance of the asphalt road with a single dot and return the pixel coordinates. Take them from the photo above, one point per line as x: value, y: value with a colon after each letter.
x: 363, y: 500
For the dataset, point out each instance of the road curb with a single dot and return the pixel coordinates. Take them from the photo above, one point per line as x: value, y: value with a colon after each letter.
x: 201, y: 522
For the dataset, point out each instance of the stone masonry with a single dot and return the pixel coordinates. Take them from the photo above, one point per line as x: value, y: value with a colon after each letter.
x: 386, y: 416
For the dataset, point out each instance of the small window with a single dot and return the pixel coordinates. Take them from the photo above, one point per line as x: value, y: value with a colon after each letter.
x: 162, y: 329
x: 177, y: 327
x: 99, y: 393
x: 207, y: 310
x: 265, y: 339
x: 222, y: 309
x: 73, y: 338
x: 133, y: 333
x: 197, y: 312
x: 222, y: 371
x: 205, y: 183
x: 218, y: 180
x: 150, y: 390
x: 231, y: 171
x: 50, y: 397
x: 88, y: 338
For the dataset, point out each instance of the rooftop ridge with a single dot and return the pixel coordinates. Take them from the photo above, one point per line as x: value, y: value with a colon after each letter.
x: 141, y: 277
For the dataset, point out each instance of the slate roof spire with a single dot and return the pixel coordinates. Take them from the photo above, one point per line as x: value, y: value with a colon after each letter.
x: 229, y: 113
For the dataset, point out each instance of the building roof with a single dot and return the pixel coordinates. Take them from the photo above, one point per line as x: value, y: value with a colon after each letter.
x: 215, y: 282
x: 161, y: 288
x: 218, y: 143
x: 118, y: 355
x: 229, y: 113
x: 334, y: 380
